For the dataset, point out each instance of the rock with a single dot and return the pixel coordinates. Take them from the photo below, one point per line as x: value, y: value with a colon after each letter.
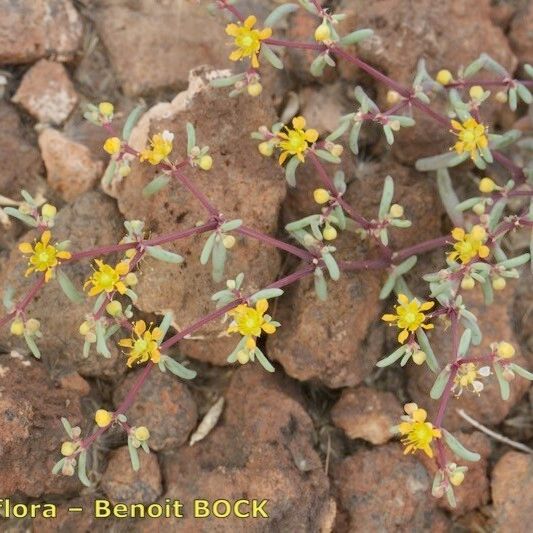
x: 241, y: 184
x: 84, y: 521
x: 122, y: 485
x: 475, y: 490
x: 520, y: 34
x: 487, y: 408
x: 324, y: 107
x: 512, y: 491
x: 91, y: 221
x: 31, y: 29
x: 165, y: 406
x: 47, y: 93
x: 366, y: 413
x: 20, y: 169
x: 262, y: 448
x: 383, y: 490
x: 153, y: 45
x: 30, y: 428
x: 403, y: 35
x: 70, y: 167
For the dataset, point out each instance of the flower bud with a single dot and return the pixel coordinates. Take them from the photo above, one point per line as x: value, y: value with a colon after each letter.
x: 85, y: 328
x: 478, y: 232
x: 444, y: 77
x: 396, y: 211
x: 106, y: 109
x: 419, y: 357
x: 395, y: 125
x: 456, y: 478
x: 322, y: 33
x: 17, y: 327
x: 505, y: 350
x: 393, y: 97
x: 32, y: 326
x: 329, y: 233
x: 321, y: 196
x: 501, y: 96
x: 476, y: 92
x: 243, y: 357
x: 141, y: 433
x: 114, y: 308
x: 228, y: 241
x: 255, y: 89
x: 336, y: 150
x: 49, y: 211
x: 487, y: 185
x: 266, y: 149
x: 112, y: 145
x: 103, y: 418
x: 479, y: 208
x: 68, y: 448
x: 206, y: 162
x: 468, y: 283
x: 499, y: 283
x: 124, y: 170
x: 131, y: 279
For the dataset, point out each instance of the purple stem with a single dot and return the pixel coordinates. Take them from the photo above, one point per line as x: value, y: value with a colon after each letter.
x: 298, y: 252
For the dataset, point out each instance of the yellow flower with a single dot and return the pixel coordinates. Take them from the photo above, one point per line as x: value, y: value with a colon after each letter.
x: 44, y: 257
x: 466, y: 378
x: 141, y: 433
x: 107, y: 278
x: 250, y: 322
x: 469, y: 245
x: 160, y: 148
x: 505, y: 350
x: 296, y: 141
x: 409, y: 316
x: 247, y: 40
x: 417, y: 434
x: 143, y: 345
x: 472, y: 137
x: 112, y: 145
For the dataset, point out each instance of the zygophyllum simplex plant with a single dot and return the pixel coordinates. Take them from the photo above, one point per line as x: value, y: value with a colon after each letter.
x: 476, y: 252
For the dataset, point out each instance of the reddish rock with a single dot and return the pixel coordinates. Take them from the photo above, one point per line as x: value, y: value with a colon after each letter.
x: 47, y: 93
x: 383, y: 490
x: 165, y: 406
x: 75, y: 521
x: 30, y: 429
x: 71, y: 169
x: 366, y: 413
x: 512, y: 492
x: 262, y: 448
x: 324, y: 107
x: 241, y: 184
x: 433, y: 32
x: 20, y: 169
x: 123, y: 485
x: 91, y: 221
x: 153, y: 46
x: 520, y: 34
x: 488, y: 408
x: 31, y: 29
